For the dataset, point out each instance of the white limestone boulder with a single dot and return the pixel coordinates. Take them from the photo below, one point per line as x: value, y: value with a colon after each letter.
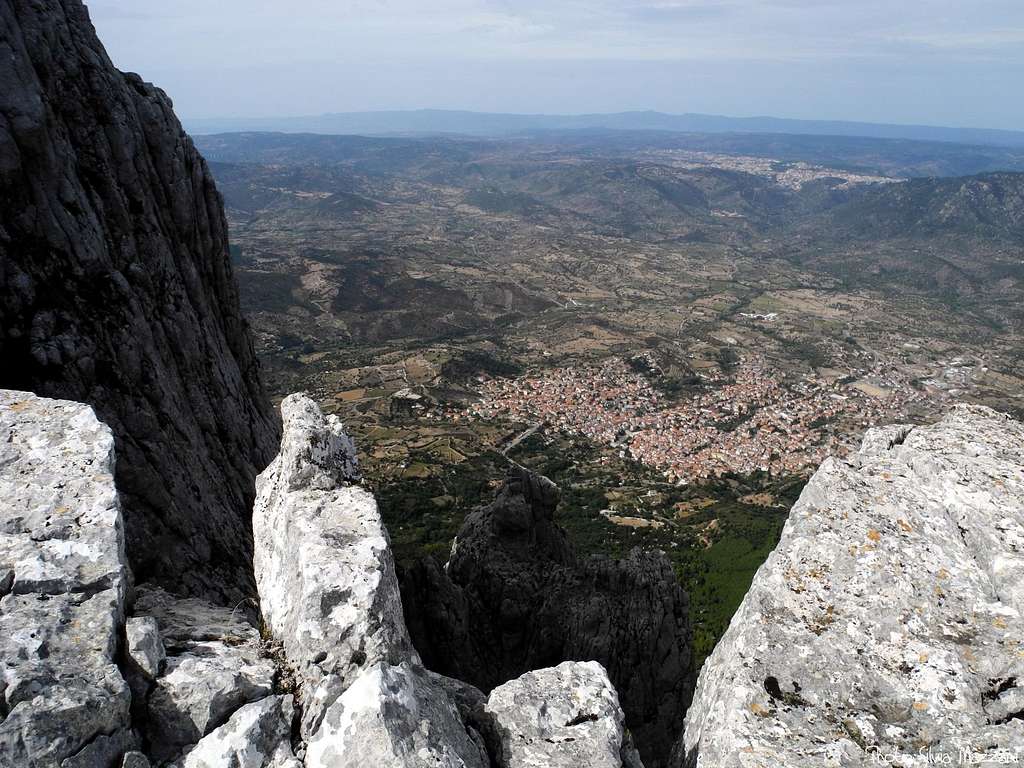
x: 63, y: 583
x: 323, y: 561
x: 560, y: 717
x: 258, y: 735
x: 887, y: 624
x: 329, y: 595
x: 395, y: 716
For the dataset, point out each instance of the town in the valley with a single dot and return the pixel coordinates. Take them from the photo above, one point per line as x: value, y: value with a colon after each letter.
x: 756, y: 420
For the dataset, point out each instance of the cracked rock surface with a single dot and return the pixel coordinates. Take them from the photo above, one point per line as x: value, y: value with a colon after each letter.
x: 329, y: 594
x: 214, y: 666
x: 888, y: 619
x: 62, y: 698
x: 561, y: 717
x: 256, y: 736
x: 395, y: 715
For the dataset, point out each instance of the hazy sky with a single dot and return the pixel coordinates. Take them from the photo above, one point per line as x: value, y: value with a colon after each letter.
x: 945, y: 62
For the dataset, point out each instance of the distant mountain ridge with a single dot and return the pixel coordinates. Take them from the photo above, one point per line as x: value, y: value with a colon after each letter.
x: 435, y: 121
x: 896, y: 158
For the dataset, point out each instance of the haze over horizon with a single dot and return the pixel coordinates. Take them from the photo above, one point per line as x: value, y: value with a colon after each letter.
x: 937, y: 62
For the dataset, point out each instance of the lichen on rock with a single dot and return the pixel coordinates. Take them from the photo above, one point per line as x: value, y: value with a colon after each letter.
x: 561, y: 717
x: 62, y: 696
x: 888, y: 619
x: 329, y: 595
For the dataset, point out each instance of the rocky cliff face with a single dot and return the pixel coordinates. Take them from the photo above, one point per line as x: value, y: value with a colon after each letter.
x: 886, y: 627
x: 116, y: 290
x: 82, y: 685
x: 329, y: 594
x: 514, y: 597
x: 92, y: 676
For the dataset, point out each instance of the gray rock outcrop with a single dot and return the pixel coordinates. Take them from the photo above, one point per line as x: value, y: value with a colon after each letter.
x: 197, y: 686
x: 323, y: 561
x: 116, y: 289
x: 886, y: 626
x: 145, y: 646
x: 214, y: 665
x: 82, y: 685
x: 395, y: 715
x: 514, y: 597
x: 63, y: 700
x: 329, y: 595
x: 563, y: 717
x: 258, y: 735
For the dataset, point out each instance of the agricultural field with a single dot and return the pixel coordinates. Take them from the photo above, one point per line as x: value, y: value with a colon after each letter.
x: 677, y: 334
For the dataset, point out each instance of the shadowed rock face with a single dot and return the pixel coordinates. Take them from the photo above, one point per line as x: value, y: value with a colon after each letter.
x: 515, y: 597
x: 116, y: 289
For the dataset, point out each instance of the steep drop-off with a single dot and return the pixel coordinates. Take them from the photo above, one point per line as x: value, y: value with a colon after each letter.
x: 90, y: 678
x: 116, y: 289
x: 515, y: 596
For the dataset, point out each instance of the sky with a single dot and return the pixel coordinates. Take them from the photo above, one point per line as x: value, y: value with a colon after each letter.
x: 935, y: 62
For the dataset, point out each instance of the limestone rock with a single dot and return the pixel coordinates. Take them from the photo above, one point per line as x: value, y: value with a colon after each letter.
x: 62, y: 696
x: 145, y: 647
x: 200, y: 690
x: 395, y: 716
x: 116, y: 289
x: 562, y: 717
x: 888, y: 619
x: 329, y: 594
x: 257, y: 735
x: 185, y: 620
x: 102, y: 751
x: 135, y: 760
x: 323, y: 561
x: 214, y: 666
x: 514, y: 596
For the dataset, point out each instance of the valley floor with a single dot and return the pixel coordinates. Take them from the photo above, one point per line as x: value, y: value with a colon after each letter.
x: 677, y: 338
